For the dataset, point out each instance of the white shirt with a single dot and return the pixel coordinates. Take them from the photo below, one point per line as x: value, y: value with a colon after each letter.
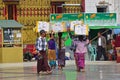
x: 99, y: 41
x: 39, y: 44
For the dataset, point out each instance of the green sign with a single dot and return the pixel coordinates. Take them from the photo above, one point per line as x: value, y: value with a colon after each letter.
x: 66, y: 17
x: 93, y: 20
x: 100, y: 19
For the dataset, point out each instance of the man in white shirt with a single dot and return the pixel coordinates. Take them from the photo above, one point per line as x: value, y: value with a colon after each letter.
x: 101, y: 45
x: 42, y: 61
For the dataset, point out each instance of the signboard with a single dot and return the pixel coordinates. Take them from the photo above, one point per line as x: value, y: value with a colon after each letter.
x: 66, y: 17
x: 81, y: 30
x: 93, y: 20
x: 72, y: 17
x: 41, y: 25
x: 100, y: 19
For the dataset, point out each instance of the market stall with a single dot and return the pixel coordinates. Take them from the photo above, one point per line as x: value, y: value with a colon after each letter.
x: 11, y: 44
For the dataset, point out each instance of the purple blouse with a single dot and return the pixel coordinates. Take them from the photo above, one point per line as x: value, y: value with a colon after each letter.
x: 51, y: 44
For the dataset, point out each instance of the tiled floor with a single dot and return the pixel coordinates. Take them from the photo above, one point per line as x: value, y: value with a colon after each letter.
x: 94, y: 71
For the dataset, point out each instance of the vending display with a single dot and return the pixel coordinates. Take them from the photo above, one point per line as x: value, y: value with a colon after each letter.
x: 11, y: 37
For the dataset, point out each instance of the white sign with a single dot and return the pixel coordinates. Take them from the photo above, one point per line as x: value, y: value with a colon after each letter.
x: 81, y: 30
x: 74, y: 23
x: 58, y: 27
x: 42, y: 26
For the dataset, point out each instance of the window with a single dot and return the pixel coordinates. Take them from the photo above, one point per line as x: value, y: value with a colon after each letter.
x: 101, y: 9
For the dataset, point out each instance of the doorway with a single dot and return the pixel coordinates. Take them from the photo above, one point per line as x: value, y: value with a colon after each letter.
x: 56, y: 7
x: 10, y: 12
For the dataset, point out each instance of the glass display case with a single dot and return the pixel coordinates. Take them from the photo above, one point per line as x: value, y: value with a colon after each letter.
x: 12, y: 37
x: 11, y: 44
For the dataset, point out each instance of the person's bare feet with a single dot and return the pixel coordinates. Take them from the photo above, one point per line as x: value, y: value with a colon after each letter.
x: 49, y: 72
x: 60, y: 68
x: 82, y: 70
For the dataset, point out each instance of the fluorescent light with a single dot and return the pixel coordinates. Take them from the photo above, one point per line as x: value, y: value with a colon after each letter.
x: 71, y: 4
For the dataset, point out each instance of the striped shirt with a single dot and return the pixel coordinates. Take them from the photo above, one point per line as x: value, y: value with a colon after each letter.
x: 41, y: 44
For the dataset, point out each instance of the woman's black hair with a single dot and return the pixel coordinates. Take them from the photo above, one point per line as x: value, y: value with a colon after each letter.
x: 51, y: 34
x: 80, y: 37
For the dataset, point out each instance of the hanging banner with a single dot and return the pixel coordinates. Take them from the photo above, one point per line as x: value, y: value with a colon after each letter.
x: 42, y: 26
x: 66, y: 17
x: 81, y: 30
x: 100, y: 19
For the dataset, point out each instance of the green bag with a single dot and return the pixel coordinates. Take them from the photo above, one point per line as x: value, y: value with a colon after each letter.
x: 68, y: 42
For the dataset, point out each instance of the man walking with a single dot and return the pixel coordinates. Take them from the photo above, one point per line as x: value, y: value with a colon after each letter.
x: 101, y: 45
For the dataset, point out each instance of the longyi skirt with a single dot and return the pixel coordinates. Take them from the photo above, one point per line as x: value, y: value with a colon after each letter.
x: 80, y: 60
x: 42, y: 63
x: 51, y: 54
x: 61, y: 57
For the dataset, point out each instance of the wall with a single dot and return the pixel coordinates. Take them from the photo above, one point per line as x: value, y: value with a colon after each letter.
x: 30, y: 11
x: 117, y: 10
x: 90, y: 5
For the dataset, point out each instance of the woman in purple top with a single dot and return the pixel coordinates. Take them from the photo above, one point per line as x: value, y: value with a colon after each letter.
x: 51, y: 51
x: 81, y: 49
